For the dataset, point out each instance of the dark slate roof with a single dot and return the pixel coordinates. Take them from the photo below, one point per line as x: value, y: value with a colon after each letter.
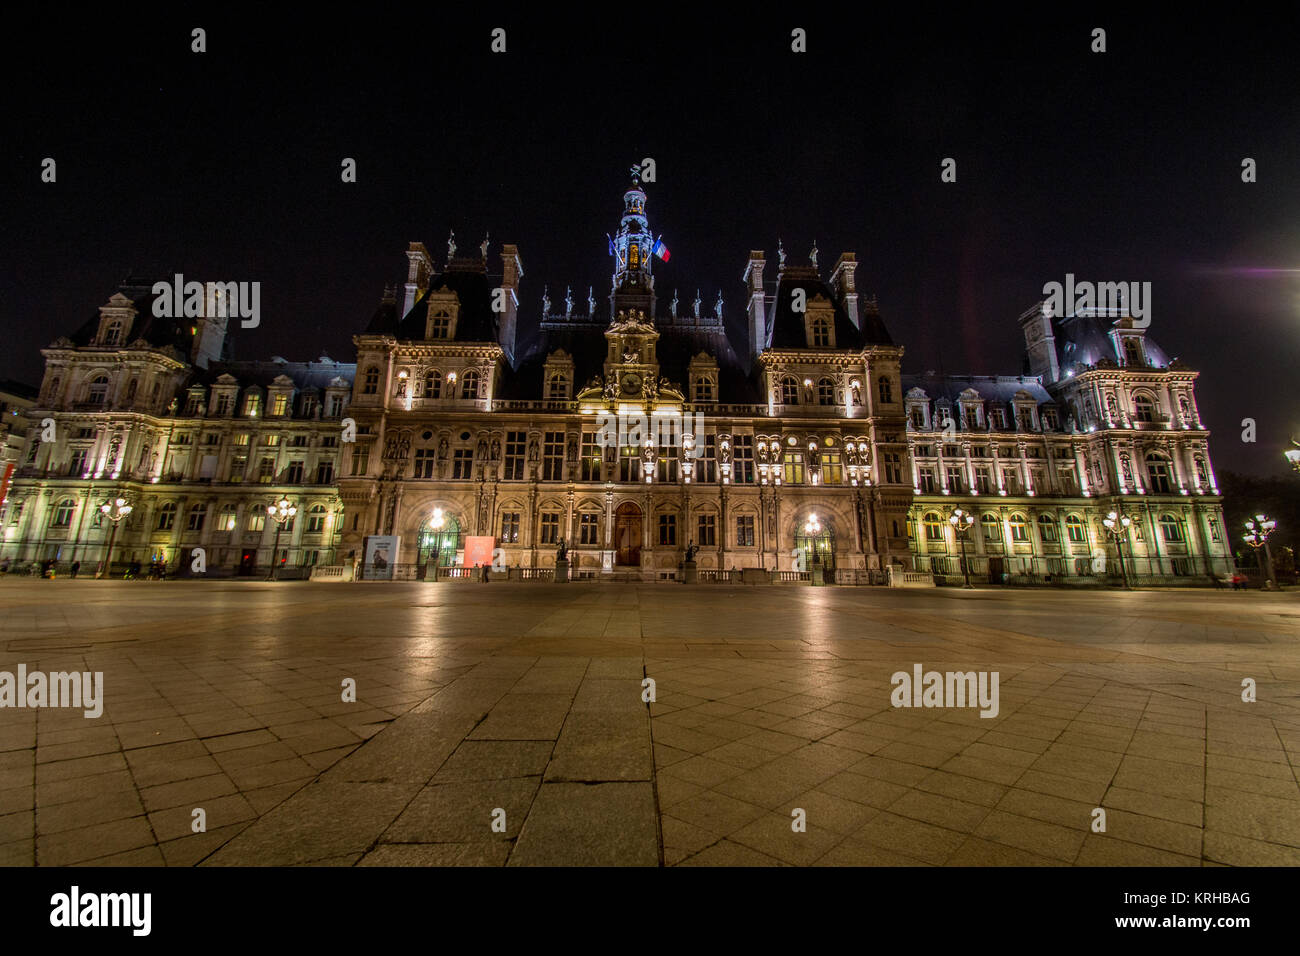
x: 158, y: 332
x: 1085, y: 340
x: 992, y: 388
x: 785, y: 327
x: 21, y: 389
x: 476, y: 322
x: 305, y: 375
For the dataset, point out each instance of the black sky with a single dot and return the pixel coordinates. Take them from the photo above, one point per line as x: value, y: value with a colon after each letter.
x: 1117, y: 166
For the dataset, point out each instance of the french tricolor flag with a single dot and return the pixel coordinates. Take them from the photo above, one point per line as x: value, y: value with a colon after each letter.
x: 661, y: 250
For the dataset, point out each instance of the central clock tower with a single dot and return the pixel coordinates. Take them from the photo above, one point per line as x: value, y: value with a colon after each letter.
x: 630, y: 362
x: 633, y: 285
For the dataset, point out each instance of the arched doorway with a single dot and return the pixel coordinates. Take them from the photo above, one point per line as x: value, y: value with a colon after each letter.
x: 815, y: 537
x: 443, y: 541
x: 627, y: 534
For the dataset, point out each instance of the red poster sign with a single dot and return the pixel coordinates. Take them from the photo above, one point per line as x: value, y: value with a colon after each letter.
x: 478, y: 550
x: 4, y: 482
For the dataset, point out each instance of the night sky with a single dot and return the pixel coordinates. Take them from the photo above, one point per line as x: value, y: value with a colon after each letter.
x: 1120, y: 166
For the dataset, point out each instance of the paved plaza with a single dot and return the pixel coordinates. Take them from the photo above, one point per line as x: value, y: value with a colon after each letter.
x: 504, y: 724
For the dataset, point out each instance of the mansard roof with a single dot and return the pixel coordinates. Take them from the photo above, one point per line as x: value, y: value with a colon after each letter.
x: 999, y: 389
x: 302, y: 375
x: 475, y: 322
x: 158, y: 332
x: 785, y: 327
x: 1085, y: 339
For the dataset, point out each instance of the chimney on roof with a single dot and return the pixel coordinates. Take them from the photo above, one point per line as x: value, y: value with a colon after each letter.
x: 512, y: 270
x: 753, y: 278
x: 846, y: 292
x: 419, y: 271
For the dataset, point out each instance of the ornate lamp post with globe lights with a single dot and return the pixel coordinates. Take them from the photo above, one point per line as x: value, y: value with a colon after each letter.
x: 114, y: 511
x: 962, y: 521
x: 1258, y: 529
x: 280, y: 513
x: 1117, y: 525
x: 1293, y: 454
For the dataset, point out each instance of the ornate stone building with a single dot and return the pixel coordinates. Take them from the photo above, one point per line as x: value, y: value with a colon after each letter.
x: 630, y: 428
x: 148, y: 409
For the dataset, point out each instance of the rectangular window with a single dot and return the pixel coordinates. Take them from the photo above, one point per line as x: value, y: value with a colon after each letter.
x: 224, y: 404
x: 629, y: 465
x: 336, y: 406
x: 253, y: 405
x: 793, y: 463
x: 550, y: 527
x: 360, y: 459
x: 424, y: 459
x: 298, y: 441
x: 706, y: 466
x: 926, y: 479
x: 588, y: 525
x: 983, y: 481
x: 832, y: 468
x: 272, y: 441
x: 266, y: 473
x: 591, y: 455
x: 893, y: 469
x: 668, y: 529
x: 516, y: 446
x: 294, y: 475
x: 212, y: 438
x: 281, y: 406
x: 257, y: 521
x: 462, y: 463
x: 743, y: 458
x: 553, y: 457
x: 744, y: 531
x: 196, y: 519
x: 1011, y: 481
x: 509, y: 527
x: 238, y: 465
x: 325, y: 473
x: 77, y: 463
x: 667, y: 469
x: 956, y: 483
x: 707, y: 531
x: 242, y: 438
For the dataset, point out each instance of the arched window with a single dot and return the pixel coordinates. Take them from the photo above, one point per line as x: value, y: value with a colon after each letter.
x: 558, y: 386
x: 992, y: 528
x: 63, y: 513
x: 1047, y: 527
x: 315, y: 519
x: 1144, y: 410
x: 97, y: 391
x: 825, y: 392
x: 1158, y: 473
x: 886, y: 391
x: 1019, y: 528
x: 1075, y: 530
x: 167, y: 516
x: 1171, y: 528
x: 469, y: 384
x: 933, y: 526
x: 821, y: 334
x: 433, y: 384
x: 370, y: 384
x: 226, y: 522
x: 789, y: 391
x: 198, y: 513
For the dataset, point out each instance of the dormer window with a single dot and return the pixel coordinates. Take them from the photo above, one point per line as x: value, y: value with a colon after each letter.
x: 821, y: 333
x: 440, y: 325
x: 704, y: 390
x: 113, y: 333
x: 1133, y: 351
x: 252, y: 404
x: 280, y: 404
x: 557, y: 387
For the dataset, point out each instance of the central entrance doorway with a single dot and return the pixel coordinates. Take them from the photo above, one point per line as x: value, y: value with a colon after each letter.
x: 627, y: 534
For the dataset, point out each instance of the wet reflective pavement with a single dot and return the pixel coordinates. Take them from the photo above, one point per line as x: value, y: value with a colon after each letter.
x: 506, y: 725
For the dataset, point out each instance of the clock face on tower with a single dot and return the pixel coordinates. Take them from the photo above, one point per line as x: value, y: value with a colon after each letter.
x: 631, y: 384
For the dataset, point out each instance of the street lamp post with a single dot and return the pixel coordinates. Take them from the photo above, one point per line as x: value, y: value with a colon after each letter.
x: 114, y: 511
x: 1117, y: 525
x: 962, y: 521
x: 280, y: 513
x: 1258, y: 529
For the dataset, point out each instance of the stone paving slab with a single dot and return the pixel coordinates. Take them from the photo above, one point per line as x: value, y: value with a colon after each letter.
x: 769, y: 701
